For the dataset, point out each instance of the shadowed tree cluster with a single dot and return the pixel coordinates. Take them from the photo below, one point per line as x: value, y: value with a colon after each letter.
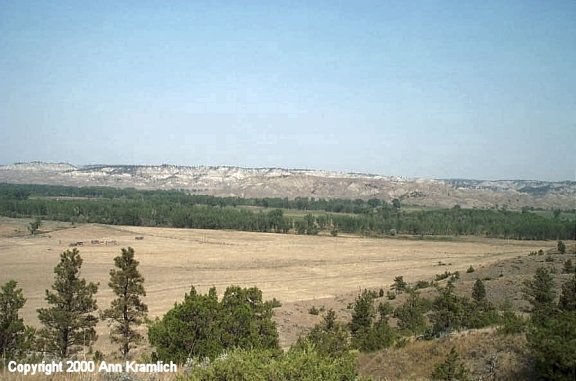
x: 203, y: 327
x: 551, y: 335
x: 368, y: 333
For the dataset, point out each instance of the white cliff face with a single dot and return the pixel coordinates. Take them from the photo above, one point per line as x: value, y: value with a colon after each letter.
x: 38, y: 166
x: 280, y: 182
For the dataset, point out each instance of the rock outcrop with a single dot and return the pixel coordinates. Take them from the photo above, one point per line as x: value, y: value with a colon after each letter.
x: 291, y: 183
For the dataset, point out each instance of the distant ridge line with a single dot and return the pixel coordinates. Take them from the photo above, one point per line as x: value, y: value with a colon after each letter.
x: 281, y: 182
x: 307, y: 170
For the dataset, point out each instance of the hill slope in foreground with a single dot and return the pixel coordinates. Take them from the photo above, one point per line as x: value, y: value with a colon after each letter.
x: 291, y: 183
x: 301, y: 272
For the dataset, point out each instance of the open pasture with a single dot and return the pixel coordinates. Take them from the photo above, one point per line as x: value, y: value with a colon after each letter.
x: 290, y: 268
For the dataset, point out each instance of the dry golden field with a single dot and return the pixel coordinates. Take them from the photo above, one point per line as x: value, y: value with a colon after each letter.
x: 290, y: 268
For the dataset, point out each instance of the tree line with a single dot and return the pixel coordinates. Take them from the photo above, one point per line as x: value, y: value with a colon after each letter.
x: 178, y: 209
x: 335, y: 205
x: 458, y: 221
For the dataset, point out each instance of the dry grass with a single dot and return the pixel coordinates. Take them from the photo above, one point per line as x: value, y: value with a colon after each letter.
x: 297, y: 270
x: 485, y: 353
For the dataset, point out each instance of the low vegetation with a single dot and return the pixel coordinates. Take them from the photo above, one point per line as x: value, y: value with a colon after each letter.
x: 203, y: 327
x: 301, y: 363
x: 451, y: 369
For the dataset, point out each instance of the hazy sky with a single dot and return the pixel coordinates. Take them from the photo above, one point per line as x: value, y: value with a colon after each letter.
x: 474, y: 89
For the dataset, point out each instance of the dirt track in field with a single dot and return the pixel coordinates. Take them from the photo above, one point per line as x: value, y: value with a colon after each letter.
x: 290, y: 268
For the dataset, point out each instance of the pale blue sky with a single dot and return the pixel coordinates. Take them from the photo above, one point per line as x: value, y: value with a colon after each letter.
x: 473, y: 89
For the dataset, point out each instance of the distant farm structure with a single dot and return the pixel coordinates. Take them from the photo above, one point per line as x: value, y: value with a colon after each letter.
x: 94, y: 242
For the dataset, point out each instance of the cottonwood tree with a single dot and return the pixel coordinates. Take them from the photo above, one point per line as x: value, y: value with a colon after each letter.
x: 127, y: 311
x: 14, y: 335
x: 68, y: 325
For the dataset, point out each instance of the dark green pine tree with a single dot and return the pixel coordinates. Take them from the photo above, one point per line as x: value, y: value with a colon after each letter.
x: 399, y: 285
x: 246, y: 320
x: 552, y: 347
x: 410, y: 315
x: 451, y: 369
x: 127, y: 311
x: 539, y: 291
x: 561, y: 247
x: 568, y: 297
x: 479, y: 291
x: 449, y: 311
x: 191, y: 329
x: 363, y: 313
x: 552, y: 338
x: 68, y: 325
x: 14, y: 335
